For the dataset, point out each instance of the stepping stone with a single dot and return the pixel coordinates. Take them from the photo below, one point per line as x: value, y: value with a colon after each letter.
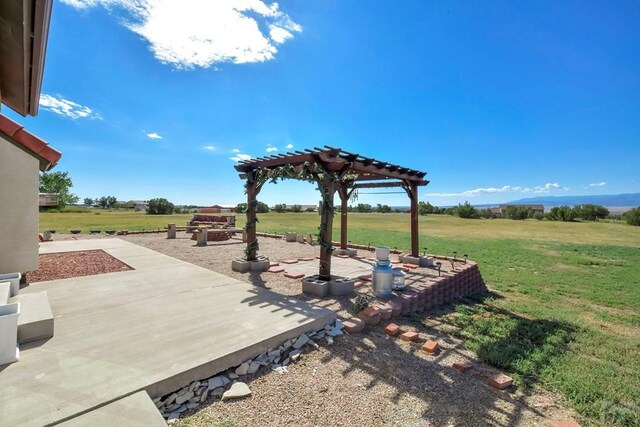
x: 462, y: 366
x: 343, y: 256
x: 392, y: 329
x: 273, y: 264
x: 370, y: 316
x: 306, y: 259
x: 276, y: 269
x: 500, y: 381
x: 294, y: 275
x: 354, y: 325
x: 430, y: 347
x: 289, y: 261
x: 410, y: 336
x: 365, y: 277
x: 36, y: 320
x: 237, y: 390
x: 359, y: 257
x: 564, y: 424
x: 410, y: 265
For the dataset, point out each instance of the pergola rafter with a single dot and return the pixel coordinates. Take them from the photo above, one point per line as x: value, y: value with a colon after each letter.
x: 334, y: 170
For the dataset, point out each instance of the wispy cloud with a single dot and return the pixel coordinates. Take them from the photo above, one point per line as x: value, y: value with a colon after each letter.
x: 154, y: 135
x: 65, y: 107
x: 598, y: 184
x: 504, y: 189
x: 289, y: 146
x: 209, y: 148
x: 203, y: 33
x: 239, y: 156
x: 270, y: 149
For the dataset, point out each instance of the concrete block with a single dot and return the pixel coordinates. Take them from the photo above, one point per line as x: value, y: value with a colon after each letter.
x: 243, y: 266
x: 300, y: 238
x: 203, y: 235
x: 36, y: 320
x: 341, y: 286
x: 426, y: 261
x: 408, y: 259
x: 315, y: 286
x: 5, y: 292
x: 348, y: 252
x: 14, y: 279
x: 171, y: 231
x: 290, y: 237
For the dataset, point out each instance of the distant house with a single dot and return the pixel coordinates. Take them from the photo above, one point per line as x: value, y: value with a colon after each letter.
x: 216, y: 209
x: 501, y: 212
x: 49, y: 199
x: 139, y: 205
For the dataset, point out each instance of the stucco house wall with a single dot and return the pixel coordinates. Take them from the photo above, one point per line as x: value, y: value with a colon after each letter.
x: 19, y: 184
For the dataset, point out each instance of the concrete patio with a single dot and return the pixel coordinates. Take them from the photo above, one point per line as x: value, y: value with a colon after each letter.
x: 155, y: 328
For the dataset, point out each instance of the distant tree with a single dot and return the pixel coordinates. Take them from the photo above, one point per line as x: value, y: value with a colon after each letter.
x: 310, y: 209
x: 60, y: 183
x: 561, y: 213
x: 467, y: 210
x: 538, y: 215
x: 363, y: 207
x: 296, y: 208
x: 589, y: 212
x: 485, y: 213
x: 88, y: 201
x: 518, y: 212
x: 426, y: 208
x: 383, y: 208
x: 282, y: 207
x: 241, y: 208
x: 632, y: 216
x: 262, y: 207
x: 160, y: 206
x: 129, y: 205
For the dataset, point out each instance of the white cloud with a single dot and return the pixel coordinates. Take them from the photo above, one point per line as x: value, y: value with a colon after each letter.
x: 289, y: 146
x: 235, y: 150
x: 598, y: 184
x: 239, y: 157
x: 271, y: 148
x: 209, y: 148
x: 154, y: 135
x: 504, y: 189
x: 64, y: 107
x: 202, y: 33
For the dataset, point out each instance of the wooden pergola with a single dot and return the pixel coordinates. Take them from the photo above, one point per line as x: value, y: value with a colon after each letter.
x: 334, y: 170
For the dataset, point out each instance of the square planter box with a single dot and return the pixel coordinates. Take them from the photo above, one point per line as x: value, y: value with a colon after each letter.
x: 9, y: 352
x: 14, y: 279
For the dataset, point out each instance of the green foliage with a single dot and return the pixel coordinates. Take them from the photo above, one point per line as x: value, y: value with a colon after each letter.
x: 383, y: 208
x: 280, y: 207
x: 538, y: 215
x: 296, y: 208
x: 262, y: 207
x: 426, y: 208
x: 241, y: 208
x: 485, y: 213
x: 632, y: 216
x: 518, y: 212
x: 561, y: 213
x: 107, y: 202
x: 359, y: 303
x: 160, y: 206
x: 363, y: 207
x: 88, y: 201
x: 60, y: 183
x: 467, y: 210
x: 589, y: 212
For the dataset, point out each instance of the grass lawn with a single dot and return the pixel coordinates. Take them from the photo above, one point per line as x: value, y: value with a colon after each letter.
x: 565, y: 312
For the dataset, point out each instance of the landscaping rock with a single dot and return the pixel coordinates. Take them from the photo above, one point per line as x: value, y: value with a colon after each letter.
x: 301, y: 341
x: 253, y: 367
x: 184, y: 397
x: 218, y: 381
x: 237, y: 390
x: 243, y: 369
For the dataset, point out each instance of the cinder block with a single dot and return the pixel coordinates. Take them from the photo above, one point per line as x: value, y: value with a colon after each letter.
x: 339, y: 287
x: 315, y: 286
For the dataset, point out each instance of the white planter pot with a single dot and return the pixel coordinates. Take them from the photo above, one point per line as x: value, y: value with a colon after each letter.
x: 9, y: 333
x: 14, y: 279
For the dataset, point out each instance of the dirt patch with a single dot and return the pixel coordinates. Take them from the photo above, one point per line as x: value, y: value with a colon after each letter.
x: 75, y: 264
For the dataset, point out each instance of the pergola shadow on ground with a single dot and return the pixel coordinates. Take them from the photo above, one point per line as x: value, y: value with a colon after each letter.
x: 333, y: 170
x: 410, y: 376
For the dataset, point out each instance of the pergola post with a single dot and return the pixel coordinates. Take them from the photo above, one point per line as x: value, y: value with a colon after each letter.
x: 253, y: 188
x: 326, y: 226
x: 411, y: 188
x: 344, y: 210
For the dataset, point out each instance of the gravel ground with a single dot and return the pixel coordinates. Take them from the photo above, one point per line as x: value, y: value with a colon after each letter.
x: 74, y: 264
x: 367, y: 379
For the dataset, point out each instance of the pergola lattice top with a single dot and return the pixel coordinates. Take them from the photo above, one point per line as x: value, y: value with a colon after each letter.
x: 361, y: 169
x: 347, y: 172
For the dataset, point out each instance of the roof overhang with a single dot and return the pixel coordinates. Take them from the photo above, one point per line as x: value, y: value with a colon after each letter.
x: 15, y: 133
x: 24, y: 29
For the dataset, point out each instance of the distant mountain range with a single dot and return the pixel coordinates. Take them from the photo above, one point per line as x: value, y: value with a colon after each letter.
x: 607, y: 200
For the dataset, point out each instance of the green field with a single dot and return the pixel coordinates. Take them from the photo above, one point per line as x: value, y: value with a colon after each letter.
x: 564, y: 314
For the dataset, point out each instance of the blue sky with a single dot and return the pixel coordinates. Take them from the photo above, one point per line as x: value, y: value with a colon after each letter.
x: 495, y: 100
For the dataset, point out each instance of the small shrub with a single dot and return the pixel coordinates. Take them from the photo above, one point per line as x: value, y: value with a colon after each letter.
x: 467, y: 210
x: 632, y: 216
x: 359, y: 303
x: 160, y: 207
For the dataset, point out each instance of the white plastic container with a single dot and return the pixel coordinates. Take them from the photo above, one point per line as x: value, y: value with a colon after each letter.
x: 14, y: 279
x: 9, y: 352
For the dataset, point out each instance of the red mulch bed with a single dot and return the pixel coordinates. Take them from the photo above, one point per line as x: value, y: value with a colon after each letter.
x: 75, y: 264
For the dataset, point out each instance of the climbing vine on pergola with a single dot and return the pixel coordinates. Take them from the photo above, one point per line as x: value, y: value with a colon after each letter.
x: 333, y: 170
